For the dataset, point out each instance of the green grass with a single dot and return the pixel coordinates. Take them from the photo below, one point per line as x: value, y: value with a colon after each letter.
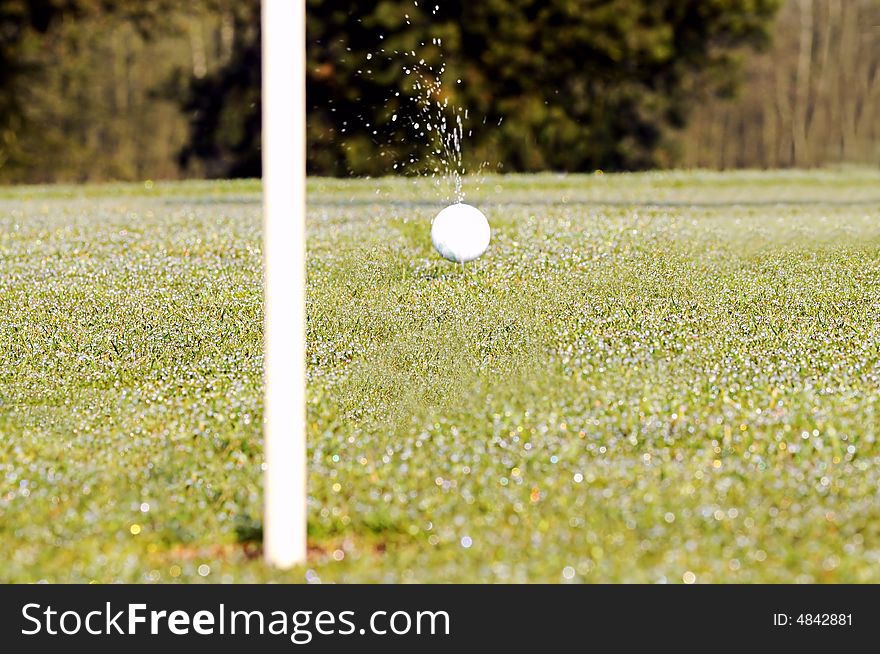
x: 647, y: 377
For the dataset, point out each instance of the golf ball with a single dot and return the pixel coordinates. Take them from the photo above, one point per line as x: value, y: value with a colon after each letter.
x: 460, y: 233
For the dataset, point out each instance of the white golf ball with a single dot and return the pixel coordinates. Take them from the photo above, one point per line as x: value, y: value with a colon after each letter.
x: 460, y: 233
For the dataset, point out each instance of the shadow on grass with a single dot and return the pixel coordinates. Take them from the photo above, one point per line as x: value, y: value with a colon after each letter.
x: 373, y: 525
x: 375, y: 535
x: 662, y: 204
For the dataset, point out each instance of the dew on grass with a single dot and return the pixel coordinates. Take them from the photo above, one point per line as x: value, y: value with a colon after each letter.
x: 644, y: 314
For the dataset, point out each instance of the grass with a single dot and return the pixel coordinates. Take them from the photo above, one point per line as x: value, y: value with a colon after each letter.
x: 660, y: 377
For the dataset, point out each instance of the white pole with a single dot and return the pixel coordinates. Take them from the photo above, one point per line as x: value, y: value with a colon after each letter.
x: 284, y: 126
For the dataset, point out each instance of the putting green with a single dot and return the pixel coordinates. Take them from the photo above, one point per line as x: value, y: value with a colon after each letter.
x: 646, y: 377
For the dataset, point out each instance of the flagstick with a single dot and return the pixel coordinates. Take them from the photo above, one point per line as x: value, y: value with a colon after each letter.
x: 284, y: 524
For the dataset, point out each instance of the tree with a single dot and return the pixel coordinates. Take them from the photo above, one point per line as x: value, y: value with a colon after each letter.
x: 77, y: 89
x: 18, y: 20
x: 810, y: 100
x: 126, y: 90
x: 574, y: 84
x: 580, y: 84
x: 224, y: 106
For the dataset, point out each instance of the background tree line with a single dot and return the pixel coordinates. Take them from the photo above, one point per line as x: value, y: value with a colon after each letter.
x: 812, y: 99
x: 106, y: 89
